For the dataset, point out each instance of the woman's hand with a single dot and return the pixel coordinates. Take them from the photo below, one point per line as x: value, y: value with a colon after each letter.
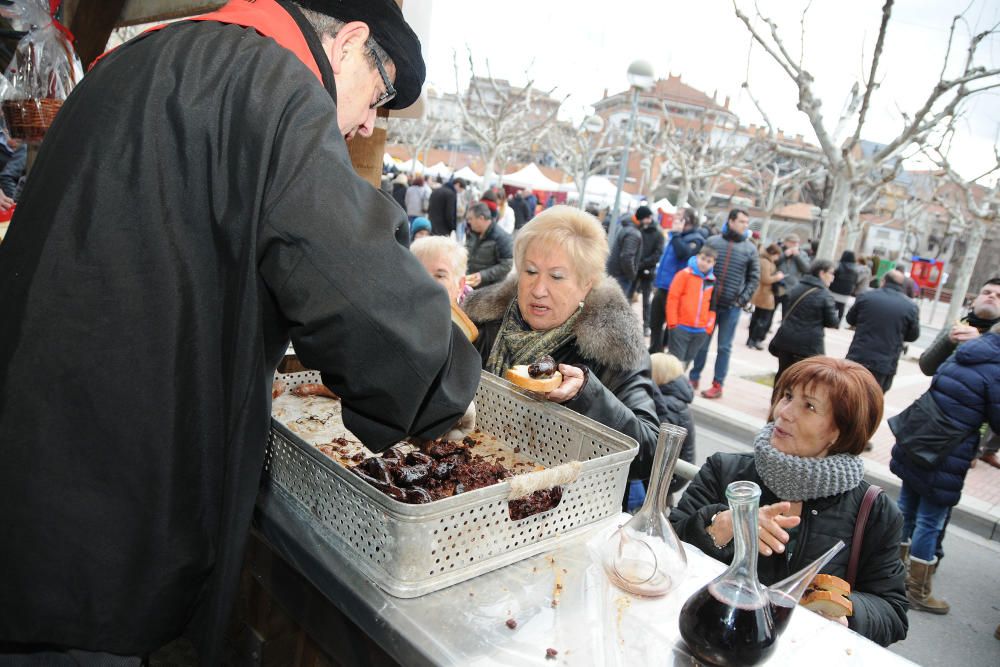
x: 771, y: 523
x: 474, y: 279
x: 836, y: 619
x: 572, y: 383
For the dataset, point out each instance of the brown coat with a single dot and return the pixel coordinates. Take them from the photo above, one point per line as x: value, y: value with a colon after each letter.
x: 764, y: 296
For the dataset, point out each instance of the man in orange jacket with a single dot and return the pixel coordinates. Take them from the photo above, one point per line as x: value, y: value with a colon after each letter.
x: 690, y: 318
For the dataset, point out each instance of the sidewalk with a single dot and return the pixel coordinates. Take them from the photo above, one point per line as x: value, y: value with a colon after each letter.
x: 743, y: 408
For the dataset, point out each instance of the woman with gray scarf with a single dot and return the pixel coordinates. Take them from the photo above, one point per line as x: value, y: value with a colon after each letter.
x: 560, y: 303
x: 806, y: 462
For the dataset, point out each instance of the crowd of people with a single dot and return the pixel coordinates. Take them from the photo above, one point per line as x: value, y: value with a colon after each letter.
x: 158, y: 309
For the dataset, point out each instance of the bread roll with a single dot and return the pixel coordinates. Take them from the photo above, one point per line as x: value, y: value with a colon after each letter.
x: 519, y: 376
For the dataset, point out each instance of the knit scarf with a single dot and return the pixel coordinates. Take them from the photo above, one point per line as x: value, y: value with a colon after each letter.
x: 982, y: 324
x: 796, y: 478
x: 517, y: 343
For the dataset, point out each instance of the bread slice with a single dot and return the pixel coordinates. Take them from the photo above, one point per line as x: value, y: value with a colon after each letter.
x: 828, y: 582
x: 459, y: 317
x: 827, y: 603
x: 519, y: 376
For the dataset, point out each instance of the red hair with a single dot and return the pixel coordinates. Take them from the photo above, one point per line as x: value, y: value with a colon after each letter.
x: 855, y: 397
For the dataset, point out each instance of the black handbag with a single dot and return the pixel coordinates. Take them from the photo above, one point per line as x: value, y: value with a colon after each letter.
x: 925, y: 433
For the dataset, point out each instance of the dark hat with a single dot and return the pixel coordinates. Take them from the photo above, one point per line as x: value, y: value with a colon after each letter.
x: 391, y: 31
x: 643, y: 212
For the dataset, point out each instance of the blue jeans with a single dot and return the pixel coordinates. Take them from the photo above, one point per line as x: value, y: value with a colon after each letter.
x: 726, y: 320
x: 922, y: 522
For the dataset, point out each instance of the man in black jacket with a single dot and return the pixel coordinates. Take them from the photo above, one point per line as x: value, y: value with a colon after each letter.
x: 626, y: 249
x: 145, y: 308
x: 737, y: 273
x: 651, y: 249
x: 442, y: 207
x: 883, y: 320
x: 491, y: 250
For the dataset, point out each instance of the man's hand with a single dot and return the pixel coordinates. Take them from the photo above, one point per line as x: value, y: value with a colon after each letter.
x: 5, y: 201
x: 780, y: 275
x: 572, y: 383
x: 962, y: 332
x: 474, y: 280
x: 465, y: 425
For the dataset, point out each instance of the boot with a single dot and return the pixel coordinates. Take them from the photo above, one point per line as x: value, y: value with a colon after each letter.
x: 918, y: 587
x: 693, y: 383
x: 715, y: 391
x: 904, y: 554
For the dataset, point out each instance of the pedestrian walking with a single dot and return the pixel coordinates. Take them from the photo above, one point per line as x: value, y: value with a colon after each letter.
x: 682, y: 246
x: 763, y: 300
x: 883, y: 319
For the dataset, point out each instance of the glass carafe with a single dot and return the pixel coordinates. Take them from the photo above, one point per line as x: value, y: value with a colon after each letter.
x: 645, y: 556
x: 734, y: 619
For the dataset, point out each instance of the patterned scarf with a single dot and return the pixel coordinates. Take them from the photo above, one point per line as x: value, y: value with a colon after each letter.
x: 796, y: 478
x: 517, y: 343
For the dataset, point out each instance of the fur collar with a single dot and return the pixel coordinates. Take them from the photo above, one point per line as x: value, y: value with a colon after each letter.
x: 607, y: 332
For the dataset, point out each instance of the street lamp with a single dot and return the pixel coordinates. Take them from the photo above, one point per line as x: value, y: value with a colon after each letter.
x: 640, y: 78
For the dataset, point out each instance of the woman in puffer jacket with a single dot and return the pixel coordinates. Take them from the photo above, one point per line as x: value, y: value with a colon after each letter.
x: 966, y: 392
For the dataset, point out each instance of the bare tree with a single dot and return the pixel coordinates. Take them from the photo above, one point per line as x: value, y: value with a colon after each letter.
x: 500, y: 117
x: 583, y: 151
x: 697, y: 158
x: 972, y: 211
x: 846, y: 162
x: 775, y: 179
x: 416, y: 134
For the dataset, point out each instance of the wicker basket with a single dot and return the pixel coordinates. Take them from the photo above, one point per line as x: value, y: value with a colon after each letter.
x: 30, y: 119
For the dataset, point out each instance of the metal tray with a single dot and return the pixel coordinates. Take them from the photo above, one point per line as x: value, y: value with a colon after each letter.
x: 412, y: 550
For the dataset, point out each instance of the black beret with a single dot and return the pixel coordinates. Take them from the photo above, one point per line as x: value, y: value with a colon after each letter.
x: 389, y: 28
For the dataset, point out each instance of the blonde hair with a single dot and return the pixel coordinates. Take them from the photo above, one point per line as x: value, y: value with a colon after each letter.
x: 666, y: 367
x: 428, y: 247
x: 578, y: 233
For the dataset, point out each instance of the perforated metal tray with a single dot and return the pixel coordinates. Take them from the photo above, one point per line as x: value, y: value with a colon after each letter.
x: 412, y: 550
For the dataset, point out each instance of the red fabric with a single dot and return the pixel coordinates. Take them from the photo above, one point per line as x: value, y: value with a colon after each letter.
x: 266, y: 17
x: 688, y: 304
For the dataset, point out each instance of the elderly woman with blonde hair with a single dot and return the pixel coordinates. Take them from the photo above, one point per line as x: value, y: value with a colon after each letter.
x: 445, y: 260
x: 559, y: 302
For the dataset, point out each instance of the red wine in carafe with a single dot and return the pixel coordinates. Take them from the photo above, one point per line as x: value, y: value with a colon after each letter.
x: 729, y: 626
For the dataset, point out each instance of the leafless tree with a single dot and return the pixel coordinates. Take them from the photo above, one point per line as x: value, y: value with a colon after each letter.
x: 583, y: 151
x: 697, y: 158
x: 973, y: 210
x: 841, y: 149
x: 774, y: 179
x: 417, y: 134
x: 500, y: 117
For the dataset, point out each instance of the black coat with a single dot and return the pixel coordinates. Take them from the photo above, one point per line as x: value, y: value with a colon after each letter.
x: 879, y: 593
x: 737, y: 270
x: 144, y: 310
x: 845, y: 279
x: 651, y: 249
x: 491, y: 254
x: 883, y: 320
x: 619, y: 390
x: 801, y: 330
x: 399, y: 194
x: 623, y: 259
x: 441, y: 210
x: 673, y: 406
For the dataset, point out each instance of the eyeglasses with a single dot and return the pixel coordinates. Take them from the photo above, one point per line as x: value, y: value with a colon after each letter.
x: 390, y: 91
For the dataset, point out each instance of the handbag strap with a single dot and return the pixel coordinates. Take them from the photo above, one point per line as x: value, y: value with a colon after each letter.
x: 797, y: 301
x: 859, y: 531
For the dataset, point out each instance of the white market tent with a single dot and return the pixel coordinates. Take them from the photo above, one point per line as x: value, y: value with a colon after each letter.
x: 531, y: 177
x: 409, y: 166
x: 388, y: 160
x: 439, y: 170
x: 467, y: 174
x: 664, y: 205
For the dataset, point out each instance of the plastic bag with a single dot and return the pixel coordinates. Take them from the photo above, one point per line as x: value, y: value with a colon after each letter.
x: 42, y: 72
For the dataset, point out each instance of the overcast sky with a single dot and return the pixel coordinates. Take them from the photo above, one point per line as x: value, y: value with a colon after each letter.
x: 582, y: 47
